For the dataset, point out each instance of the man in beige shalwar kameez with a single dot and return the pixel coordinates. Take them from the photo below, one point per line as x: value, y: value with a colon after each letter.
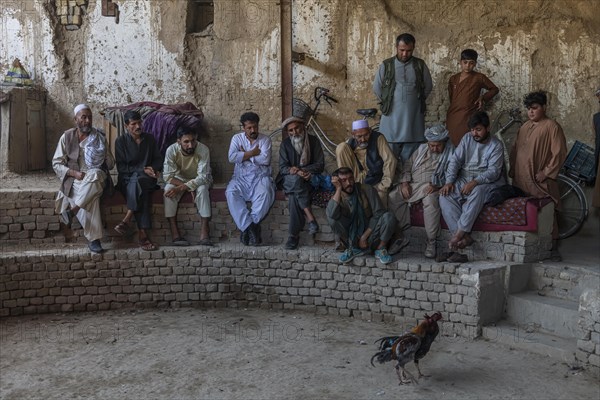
x: 537, y: 155
x: 81, y: 161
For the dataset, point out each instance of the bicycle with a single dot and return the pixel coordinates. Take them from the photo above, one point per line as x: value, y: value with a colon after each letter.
x: 575, y: 173
x: 301, y: 109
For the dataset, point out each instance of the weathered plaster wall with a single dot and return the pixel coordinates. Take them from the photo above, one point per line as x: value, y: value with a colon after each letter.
x: 233, y: 66
x: 523, y: 45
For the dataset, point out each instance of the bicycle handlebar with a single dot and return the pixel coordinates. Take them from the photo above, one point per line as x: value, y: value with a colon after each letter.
x: 323, y: 92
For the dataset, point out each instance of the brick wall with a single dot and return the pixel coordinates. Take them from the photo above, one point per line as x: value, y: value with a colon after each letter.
x: 588, y: 345
x: 236, y: 276
x: 27, y: 220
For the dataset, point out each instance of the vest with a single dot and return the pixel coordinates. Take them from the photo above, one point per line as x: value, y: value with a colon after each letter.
x: 374, y: 160
x: 389, y: 84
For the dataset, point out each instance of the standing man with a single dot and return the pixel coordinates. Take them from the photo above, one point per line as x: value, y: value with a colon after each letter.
x: 300, y: 157
x: 357, y: 216
x: 402, y: 85
x: 423, y: 174
x: 187, y: 169
x: 474, y: 170
x: 370, y: 158
x: 537, y: 155
x: 139, y: 163
x: 81, y: 161
x: 250, y: 151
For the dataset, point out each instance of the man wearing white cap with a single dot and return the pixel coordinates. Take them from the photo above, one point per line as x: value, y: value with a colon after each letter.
x: 81, y: 161
x: 369, y: 156
x: 300, y: 157
x: 422, y: 176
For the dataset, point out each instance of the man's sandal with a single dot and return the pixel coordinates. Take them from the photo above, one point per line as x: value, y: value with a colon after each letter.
x: 147, y: 245
x: 180, y: 241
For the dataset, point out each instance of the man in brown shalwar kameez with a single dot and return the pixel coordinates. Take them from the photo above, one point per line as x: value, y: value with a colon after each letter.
x: 537, y: 155
x: 465, y: 94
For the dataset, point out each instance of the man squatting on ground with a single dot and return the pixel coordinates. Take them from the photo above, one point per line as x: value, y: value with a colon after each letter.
x: 187, y: 169
x: 250, y: 151
x: 474, y: 170
x: 300, y: 157
x: 422, y: 176
x: 139, y: 163
x: 81, y: 162
x: 356, y: 215
x: 369, y: 156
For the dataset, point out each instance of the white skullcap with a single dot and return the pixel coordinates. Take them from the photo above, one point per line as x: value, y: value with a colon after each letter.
x: 436, y: 133
x: 360, y: 124
x: 81, y: 107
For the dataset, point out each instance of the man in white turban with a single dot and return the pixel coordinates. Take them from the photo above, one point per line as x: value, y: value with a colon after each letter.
x: 368, y: 154
x: 422, y: 176
x: 81, y: 161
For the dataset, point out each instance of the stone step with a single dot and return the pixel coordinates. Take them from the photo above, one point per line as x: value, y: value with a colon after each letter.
x: 555, y: 316
x: 539, y: 342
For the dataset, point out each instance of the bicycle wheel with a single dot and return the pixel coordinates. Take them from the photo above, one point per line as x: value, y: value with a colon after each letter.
x: 573, y: 207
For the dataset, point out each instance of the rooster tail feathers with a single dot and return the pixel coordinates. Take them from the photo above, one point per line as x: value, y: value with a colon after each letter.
x: 382, y: 356
x: 386, y: 342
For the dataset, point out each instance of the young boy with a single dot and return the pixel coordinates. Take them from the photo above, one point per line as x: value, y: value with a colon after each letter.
x: 464, y: 90
x: 537, y: 155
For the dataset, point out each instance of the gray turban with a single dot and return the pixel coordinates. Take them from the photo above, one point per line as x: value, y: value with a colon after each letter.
x: 436, y: 133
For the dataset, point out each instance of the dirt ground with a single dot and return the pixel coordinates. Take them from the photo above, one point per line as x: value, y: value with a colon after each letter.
x: 255, y: 354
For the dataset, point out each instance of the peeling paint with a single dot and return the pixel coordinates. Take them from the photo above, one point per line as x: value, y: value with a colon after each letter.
x: 234, y: 65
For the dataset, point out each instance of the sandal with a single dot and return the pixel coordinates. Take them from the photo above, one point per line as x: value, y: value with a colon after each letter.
x: 458, y: 258
x: 147, y: 245
x: 180, y: 241
x: 444, y: 256
x: 205, y: 242
x: 122, y: 228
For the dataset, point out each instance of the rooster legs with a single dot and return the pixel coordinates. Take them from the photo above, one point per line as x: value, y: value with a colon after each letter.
x: 404, y: 376
x: 421, y: 375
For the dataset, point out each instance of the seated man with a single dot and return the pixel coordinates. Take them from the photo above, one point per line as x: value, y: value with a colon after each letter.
x: 357, y: 216
x: 422, y: 176
x: 81, y: 161
x: 139, y: 163
x: 300, y: 156
x: 369, y: 156
x: 474, y: 170
x: 250, y: 151
x: 187, y: 169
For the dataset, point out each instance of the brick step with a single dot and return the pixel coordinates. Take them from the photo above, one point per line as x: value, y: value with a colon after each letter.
x: 531, y: 340
x: 542, y: 313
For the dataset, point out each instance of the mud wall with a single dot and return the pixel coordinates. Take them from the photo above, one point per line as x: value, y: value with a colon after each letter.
x: 233, y: 65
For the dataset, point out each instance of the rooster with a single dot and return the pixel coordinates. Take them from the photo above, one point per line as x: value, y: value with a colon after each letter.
x: 412, y: 346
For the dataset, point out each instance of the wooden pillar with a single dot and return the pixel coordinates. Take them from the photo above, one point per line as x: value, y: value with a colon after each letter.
x: 286, y: 59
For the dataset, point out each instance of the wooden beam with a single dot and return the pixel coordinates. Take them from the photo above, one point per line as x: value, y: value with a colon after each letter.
x: 286, y: 59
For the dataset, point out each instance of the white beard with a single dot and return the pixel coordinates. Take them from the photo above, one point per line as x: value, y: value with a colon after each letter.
x: 298, y: 143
